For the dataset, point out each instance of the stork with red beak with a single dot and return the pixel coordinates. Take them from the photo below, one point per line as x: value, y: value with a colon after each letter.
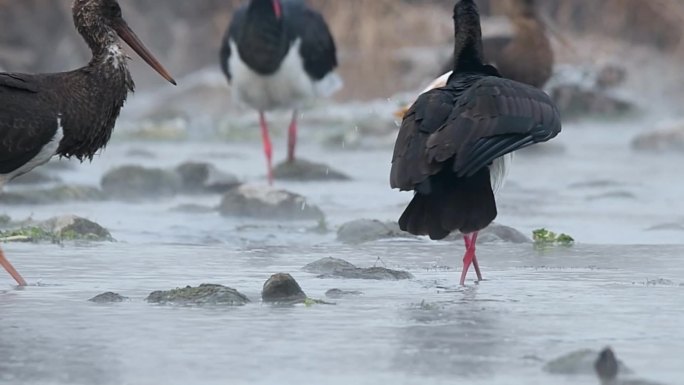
x: 279, y: 54
x: 69, y: 114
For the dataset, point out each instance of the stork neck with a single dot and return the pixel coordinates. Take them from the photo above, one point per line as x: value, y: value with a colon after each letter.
x: 468, y: 38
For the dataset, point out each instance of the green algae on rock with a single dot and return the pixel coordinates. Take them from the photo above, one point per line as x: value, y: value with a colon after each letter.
x: 205, y: 294
x: 544, y: 237
x: 108, y: 297
x: 58, y: 229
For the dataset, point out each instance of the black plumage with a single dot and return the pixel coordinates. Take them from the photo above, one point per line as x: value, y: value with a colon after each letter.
x: 451, y: 137
x: 69, y: 114
x: 264, y: 38
x: 279, y: 54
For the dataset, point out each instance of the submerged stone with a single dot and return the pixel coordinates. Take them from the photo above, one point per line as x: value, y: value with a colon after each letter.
x: 327, y: 265
x: 339, y: 293
x: 205, y: 294
x: 134, y: 183
x: 263, y: 202
x: 579, y: 362
x: 108, y: 297
x: 339, y: 268
x: 373, y: 273
x: 35, y: 177
x: 282, y: 287
x: 368, y: 230
x: 205, y: 178
x: 71, y: 227
x: 495, y: 233
x: 664, y: 140
x: 60, y: 194
x: 64, y: 228
x: 305, y: 171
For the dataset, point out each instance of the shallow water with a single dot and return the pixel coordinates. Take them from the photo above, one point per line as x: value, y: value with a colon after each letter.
x: 533, y: 306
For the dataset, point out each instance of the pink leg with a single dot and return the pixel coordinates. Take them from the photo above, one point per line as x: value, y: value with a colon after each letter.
x: 268, y: 147
x: 470, y: 258
x: 292, y: 138
x: 11, y: 270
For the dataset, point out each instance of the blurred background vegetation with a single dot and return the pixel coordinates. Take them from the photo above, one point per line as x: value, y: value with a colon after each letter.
x: 378, y: 39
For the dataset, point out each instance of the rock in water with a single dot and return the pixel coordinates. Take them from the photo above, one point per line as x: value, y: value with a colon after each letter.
x: 108, y: 297
x: 35, y: 177
x: 133, y: 183
x: 327, y: 266
x: 338, y: 268
x: 65, y: 228
x: 305, y: 171
x: 667, y: 139
x: 579, y: 362
x: 339, y: 293
x: 61, y: 194
x: 71, y: 227
x: 282, y: 287
x: 267, y: 203
x: 205, y: 178
x: 367, y: 230
x: 205, y: 294
x: 374, y: 273
x: 606, y: 365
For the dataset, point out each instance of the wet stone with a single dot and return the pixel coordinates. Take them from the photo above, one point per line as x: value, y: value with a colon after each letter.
x: 60, y: 194
x: 261, y: 202
x: 133, y: 183
x: 580, y: 362
x: 306, y: 171
x: 368, y: 230
x: 327, y: 266
x: 282, y: 287
x: 205, y: 294
x: 191, y: 208
x: 499, y: 233
x: 495, y: 233
x: 140, y: 153
x: 339, y: 293
x: 71, y: 227
x: 205, y: 178
x: 667, y: 227
x: 65, y: 228
x: 108, y: 297
x: 372, y: 273
x: 576, y: 101
x: 665, y: 140
x: 35, y: 177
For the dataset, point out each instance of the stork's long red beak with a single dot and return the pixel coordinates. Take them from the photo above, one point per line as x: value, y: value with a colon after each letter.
x: 127, y: 34
x: 277, y: 9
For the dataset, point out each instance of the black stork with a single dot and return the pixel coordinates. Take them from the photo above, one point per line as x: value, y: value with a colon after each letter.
x: 69, y: 114
x: 279, y: 54
x: 526, y: 56
x: 456, y: 142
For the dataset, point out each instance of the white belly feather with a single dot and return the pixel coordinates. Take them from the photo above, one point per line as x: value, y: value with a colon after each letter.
x: 288, y: 88
x: 44, y: 155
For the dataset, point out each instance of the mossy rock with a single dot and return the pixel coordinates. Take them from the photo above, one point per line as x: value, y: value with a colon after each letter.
x: 205, y: 294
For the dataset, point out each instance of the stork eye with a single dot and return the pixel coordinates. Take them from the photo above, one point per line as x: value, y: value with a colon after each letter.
x: 115, y: 10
